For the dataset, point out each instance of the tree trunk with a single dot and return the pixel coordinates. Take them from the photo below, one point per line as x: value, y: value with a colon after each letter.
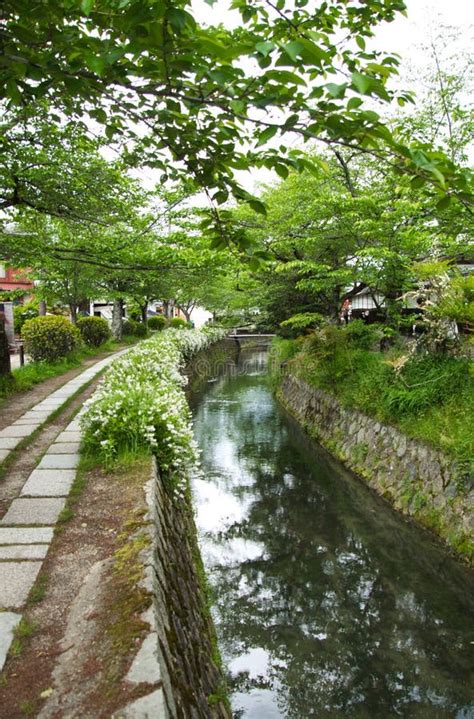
x: 168, y: 308
x: 73, y: 314
x: 117, y: 320
x: 42, y: 308
x: 143, y: 309
x: 5, y: 366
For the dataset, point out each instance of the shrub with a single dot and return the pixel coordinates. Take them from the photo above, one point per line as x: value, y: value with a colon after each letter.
x: 158, y: 322
x: 179, y: 323
x: 137, y: 329
x: 141, y: 330
x: 48, y: 338
x: 128, y: 327
x: 94, y: 330
x: 141, y: 404
x: 22, y: 313
x: 362, y: 336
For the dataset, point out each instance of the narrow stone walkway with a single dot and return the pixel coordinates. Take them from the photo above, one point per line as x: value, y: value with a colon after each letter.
x: 27, y: 528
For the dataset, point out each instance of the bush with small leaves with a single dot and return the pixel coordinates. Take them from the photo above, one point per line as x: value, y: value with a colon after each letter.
x: 49, y: 338
x: 179, y: 323
x: 94, y: 330
x: 157, y: 322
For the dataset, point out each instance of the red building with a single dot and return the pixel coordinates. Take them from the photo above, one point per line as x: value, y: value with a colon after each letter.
x: 12, y: 279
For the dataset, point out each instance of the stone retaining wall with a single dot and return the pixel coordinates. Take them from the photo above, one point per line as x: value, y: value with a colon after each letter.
x: 176, y: 658
x: 417, y: 479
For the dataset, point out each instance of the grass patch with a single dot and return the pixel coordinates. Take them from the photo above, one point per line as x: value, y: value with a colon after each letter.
x: 28, y: 707
x: 38, y: 592
x: 24, y: 630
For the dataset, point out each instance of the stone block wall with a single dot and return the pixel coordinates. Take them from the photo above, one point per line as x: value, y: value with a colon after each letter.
x: 192, y: 683
x: 417, y: 479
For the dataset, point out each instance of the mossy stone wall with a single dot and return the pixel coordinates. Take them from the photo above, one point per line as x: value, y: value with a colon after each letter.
x: 417, y: 479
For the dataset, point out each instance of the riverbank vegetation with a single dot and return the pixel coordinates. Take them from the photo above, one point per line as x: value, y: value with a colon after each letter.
x: 429, y: 397
x: 141, y: 405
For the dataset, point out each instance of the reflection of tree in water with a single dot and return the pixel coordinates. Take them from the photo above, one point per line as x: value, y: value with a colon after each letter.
x: 356, y: 610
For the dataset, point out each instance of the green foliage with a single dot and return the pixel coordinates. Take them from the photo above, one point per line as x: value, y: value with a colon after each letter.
x: 94, y: 330
x: 133, y: 328
x: 48, y: 338
x: 140, y: 330
x: 302, y: 321
x: 157, y: 322
x: 187, y: 110
x: 178, y: 323
x: 22, y: 313
x: 430, y: 397
x: 141, y: 405
x: 362, y: 336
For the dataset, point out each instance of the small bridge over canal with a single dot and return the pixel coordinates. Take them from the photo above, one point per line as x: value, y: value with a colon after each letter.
x: 247, y: 339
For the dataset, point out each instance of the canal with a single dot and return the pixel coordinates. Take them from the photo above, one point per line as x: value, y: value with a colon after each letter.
x: 327, y: 603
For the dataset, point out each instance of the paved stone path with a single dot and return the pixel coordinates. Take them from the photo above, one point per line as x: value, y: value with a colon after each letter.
x: 27, y: 528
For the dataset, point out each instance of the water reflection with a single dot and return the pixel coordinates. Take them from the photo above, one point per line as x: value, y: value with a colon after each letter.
x: 327, y: 603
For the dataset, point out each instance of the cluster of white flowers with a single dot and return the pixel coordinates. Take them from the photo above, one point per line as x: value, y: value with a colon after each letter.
x: 141, y: 403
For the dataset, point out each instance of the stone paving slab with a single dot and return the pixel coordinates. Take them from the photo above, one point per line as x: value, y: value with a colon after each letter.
x: 145, y: 666
x: 3, y: 454
x: 68, y: 436
x: 9, y: 442
x: 151, y: 706
x: 59, y: 461
x: 13, y: 431
x: 34, y: 511
x: 27, y: 422
x: 35, y: 416
x: 64, y: 448
x: 26, y: 535
x: 16, y: 580
x: 24, y: 551
x: 8, y: 623
x: 48, y: 483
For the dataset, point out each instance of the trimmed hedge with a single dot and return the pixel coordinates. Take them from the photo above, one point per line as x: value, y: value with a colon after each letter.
x: 157, y: 322
x: 48, y: 338
x: 130, y: 327
x: 179, y: 323
x: 94, y: 330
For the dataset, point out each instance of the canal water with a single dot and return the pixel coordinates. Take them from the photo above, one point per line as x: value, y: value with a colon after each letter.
x: 327, y: 603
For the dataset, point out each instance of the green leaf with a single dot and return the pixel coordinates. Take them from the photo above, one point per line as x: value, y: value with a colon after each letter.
x: 354, y: 103
x: 336, y: 90
x: 285, y: 76
x: 313, y: 53
x: 293, y: 49
x: 258, y: 206
x: 176, y: 18
x: 361, y: 42
x: 266, y: 135
x: 13, y: 92
x: 254, y: 264
x: 362, y: 83
x: 86, y: 6
x: 264, y: 48
x: 282, y: 171
x: 444, y: 203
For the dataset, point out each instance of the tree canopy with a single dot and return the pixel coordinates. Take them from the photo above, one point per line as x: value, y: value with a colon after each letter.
x: 211, y: 99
